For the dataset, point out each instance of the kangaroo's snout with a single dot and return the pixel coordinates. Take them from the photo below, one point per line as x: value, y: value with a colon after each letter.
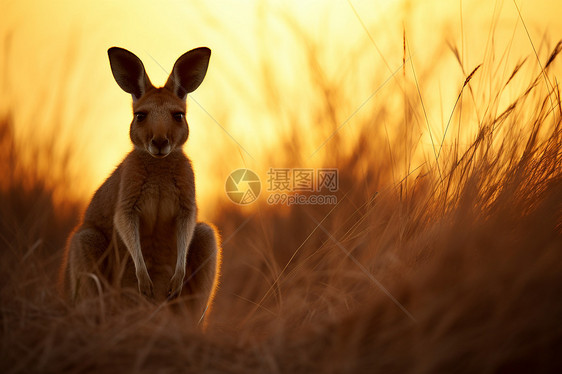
x: 160, y: 142
x: 159, y: 147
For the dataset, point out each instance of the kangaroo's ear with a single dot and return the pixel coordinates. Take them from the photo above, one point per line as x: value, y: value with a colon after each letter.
x: 128, y: 72
x: 189, y: 71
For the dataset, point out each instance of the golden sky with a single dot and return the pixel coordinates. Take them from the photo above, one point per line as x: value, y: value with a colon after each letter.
x: 57, y: 85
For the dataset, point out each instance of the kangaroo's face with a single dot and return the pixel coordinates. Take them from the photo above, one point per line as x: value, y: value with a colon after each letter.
x: 159, y: 126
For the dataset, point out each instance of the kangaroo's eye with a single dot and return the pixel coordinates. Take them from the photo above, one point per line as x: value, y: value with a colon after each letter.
x: 140, y: 116
x: 178, y: 117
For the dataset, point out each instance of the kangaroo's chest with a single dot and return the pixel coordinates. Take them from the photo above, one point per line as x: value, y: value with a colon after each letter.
x: 158, y: 204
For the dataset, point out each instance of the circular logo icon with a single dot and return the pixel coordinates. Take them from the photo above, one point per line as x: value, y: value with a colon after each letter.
x: 243, y: 186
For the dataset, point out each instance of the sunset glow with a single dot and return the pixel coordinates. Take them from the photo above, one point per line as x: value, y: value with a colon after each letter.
x: 57, y: 85
x: 375, y: 186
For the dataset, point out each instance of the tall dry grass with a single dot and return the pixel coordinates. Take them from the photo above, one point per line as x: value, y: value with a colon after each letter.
x: 448, y: 265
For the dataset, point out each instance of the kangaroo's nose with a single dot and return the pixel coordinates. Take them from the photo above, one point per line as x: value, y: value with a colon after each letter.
x: 159, y: 142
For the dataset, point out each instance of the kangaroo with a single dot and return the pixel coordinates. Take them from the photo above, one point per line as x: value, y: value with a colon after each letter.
x: 140, y: 228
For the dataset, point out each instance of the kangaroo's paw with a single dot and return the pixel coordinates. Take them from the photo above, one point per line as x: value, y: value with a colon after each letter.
x: 145, y: 285
x: 176, y: 285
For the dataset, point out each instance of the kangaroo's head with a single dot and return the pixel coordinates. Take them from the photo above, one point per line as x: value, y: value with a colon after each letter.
x: 159, y: 126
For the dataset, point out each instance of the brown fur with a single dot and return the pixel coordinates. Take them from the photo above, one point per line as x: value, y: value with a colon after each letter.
x: 140, y: 229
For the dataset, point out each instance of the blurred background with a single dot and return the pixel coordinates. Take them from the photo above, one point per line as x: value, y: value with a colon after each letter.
x: 442, y: 253
x: 271, y: 79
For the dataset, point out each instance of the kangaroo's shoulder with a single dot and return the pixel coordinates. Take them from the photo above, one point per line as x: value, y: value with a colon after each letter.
x: 102, y: 207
